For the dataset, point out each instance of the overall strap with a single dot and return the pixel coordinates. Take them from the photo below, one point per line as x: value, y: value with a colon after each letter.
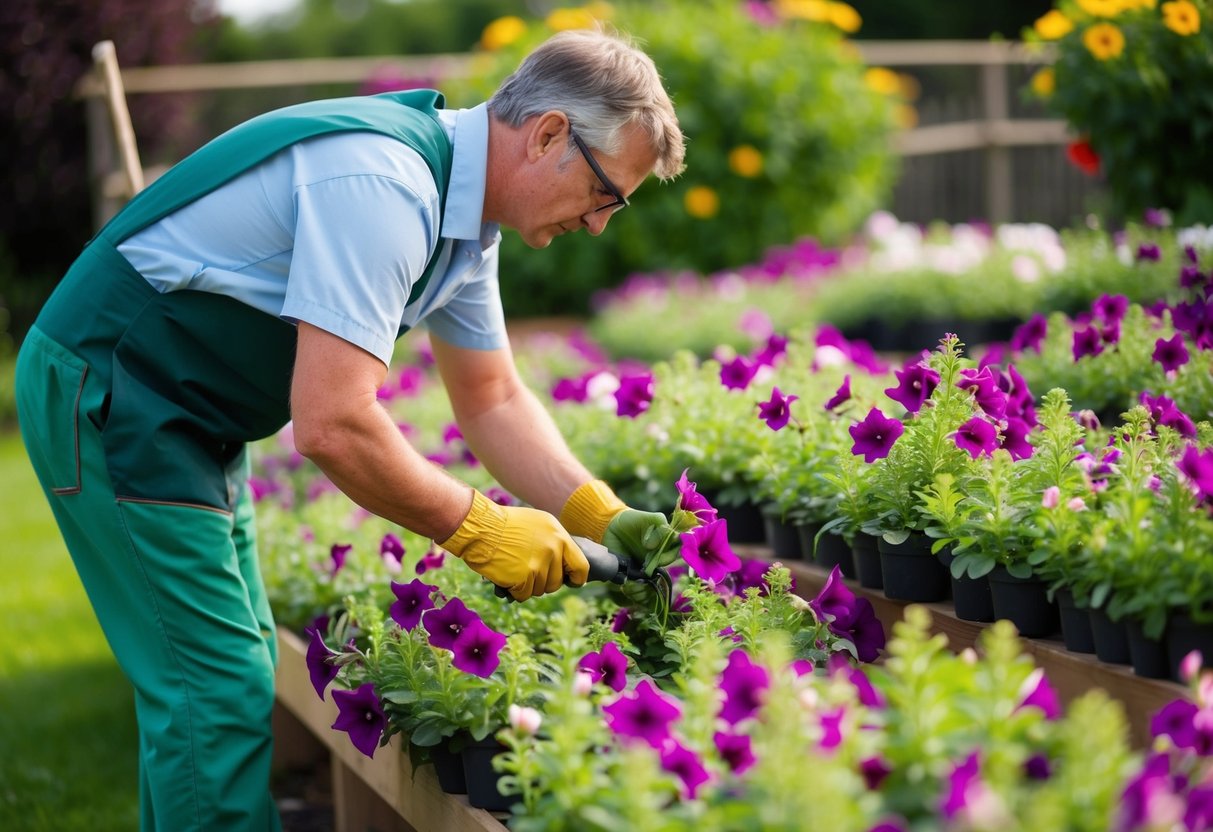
x: 410, y: 117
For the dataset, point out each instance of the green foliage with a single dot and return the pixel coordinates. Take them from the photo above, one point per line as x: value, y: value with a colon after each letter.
x: 1145, y: 107
x: 794, y: 93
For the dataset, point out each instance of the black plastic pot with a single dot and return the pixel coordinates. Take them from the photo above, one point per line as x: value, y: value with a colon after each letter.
x: 911, y: 572
x: 866, y: 556
x: 827, y: 551
x: 745, y: 523
x: 1185, y: 635
x: 1111, y: 638
x: 971, y: 597
x: 1024, y: 602
x: 1075, y: 623
x: 781, y: 536
x: 1147, y: 655
x: 482, y: 779
x: 448, y: 765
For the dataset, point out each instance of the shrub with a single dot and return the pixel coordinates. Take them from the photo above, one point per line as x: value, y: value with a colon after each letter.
x: 785, y: 139
x: 1136, y: 82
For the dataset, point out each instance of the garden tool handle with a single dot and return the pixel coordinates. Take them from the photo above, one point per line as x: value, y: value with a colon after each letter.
x: 605, y: 565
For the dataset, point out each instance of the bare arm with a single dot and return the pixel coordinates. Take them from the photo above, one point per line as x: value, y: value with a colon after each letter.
x: 340, y: 425
x: 506, y: 426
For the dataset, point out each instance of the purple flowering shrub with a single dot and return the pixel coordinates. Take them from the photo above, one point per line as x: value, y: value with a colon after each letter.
x: 1108, y: 355
x: 751, y: 738
x: 992, y: 513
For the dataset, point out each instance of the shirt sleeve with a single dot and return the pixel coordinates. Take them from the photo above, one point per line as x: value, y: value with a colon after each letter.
x: 473, y: 318
x: 361, y: 242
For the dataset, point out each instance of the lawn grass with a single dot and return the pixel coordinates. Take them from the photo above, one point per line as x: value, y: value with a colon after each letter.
x: 68, y: 746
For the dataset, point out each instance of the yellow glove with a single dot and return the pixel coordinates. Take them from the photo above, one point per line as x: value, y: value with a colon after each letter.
x: 595, y: 512
x: 590, y: 509
x: 522, y: 549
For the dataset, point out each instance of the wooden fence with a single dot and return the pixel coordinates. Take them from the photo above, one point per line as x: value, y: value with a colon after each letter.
x: 979, y: 150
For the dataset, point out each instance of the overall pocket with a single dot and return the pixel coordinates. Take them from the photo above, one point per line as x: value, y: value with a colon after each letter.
x: 49, y: 385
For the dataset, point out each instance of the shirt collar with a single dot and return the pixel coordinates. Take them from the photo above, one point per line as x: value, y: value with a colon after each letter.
x: 469, y: 132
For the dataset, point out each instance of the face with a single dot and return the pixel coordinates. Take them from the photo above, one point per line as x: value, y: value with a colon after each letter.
x: 567, y: 194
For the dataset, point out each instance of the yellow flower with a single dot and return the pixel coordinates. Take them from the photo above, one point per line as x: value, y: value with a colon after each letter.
x: 1181, y: 17
x: 1104, y: 41
x: 701, y: 202
x: 1101, y: 8
x: 561, y: 19
x: 1053, y: 25
x: 881, y: 80
x: 844, y: 17
x: 745, y: 160
x: 1044, y: 82
x: 817, y: 11
x: 905, y: 116
x: 502, y: 32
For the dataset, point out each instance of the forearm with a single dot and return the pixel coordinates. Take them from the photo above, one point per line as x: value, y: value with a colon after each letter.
x: 371, y: 462
x: 519, y: 444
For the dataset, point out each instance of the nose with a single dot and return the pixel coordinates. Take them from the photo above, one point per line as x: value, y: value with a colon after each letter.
x: 596, y: 221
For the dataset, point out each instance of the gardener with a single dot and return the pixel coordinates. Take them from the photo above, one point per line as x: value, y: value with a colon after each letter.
x: 267, y: 277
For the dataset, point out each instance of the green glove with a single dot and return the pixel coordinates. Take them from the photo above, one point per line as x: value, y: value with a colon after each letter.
x: 644, y: 536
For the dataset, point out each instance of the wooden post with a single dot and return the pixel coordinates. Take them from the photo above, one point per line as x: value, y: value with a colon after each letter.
x: 998, y: 156
x: 105, y: 57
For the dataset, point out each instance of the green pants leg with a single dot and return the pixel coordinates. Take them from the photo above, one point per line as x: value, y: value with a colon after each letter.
x: 177, y: 592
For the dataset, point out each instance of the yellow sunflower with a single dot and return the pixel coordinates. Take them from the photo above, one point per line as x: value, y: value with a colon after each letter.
x: 1104, y: 41
x: 745, y: 160
x: 1181, y: 17
x: 502, y: 32
x: 701, y: 202
x: 1044, y: 82
x: 1053, y: 25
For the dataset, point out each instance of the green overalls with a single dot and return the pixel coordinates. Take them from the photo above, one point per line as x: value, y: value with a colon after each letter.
x: 135, y: 407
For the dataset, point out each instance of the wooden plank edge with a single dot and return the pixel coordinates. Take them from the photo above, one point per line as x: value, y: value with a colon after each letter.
x: 415, y: 795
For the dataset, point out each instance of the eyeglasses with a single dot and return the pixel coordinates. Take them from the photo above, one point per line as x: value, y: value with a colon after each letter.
x: 619, y: 201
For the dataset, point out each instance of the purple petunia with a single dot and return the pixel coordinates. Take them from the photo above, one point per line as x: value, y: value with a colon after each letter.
x: 320, y: 668
x: 681, y: 761
x: 1038, y: 767
x: 608, y: 666
x: 1110, y: 309
x: 743, y: 684
x: 432, y: 559
x: 1171, y: 353
x: 963, y: 785
x: 1087, y: 341
x: 1177, y: 720
x: 361, y: 716
x: 1197, y: 466
x: 831, y: 728
x: 446, y: 623
x: 1030, y: 334
x: 391, y: 547
x: 989, y: 396
x: 841, y: 395
x: 849, y: 617
x: 775, y: 346
x: 634, y: 395
x: 644, y: 714
x: 706, y: 550
x: 476, y: 649
x: 1015, y: 438
x: 1038, y: 693
x: 875, y: 435
x: 976, y: 436
x: 412, y: 600
x: 737, y: 373
x: 915, y: 384
x: 689, y: 499
x: 874, y: 770
x: 736, y: 750
x: 338, y: 553
x: 777, y: 411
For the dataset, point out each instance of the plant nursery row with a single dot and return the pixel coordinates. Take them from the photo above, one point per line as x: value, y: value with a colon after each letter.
x: 1069, y: 467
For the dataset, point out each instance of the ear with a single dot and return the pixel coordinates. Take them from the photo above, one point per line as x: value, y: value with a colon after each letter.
x: 548, y: 132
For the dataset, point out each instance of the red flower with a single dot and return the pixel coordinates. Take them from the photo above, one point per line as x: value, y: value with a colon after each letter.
x: 1083, y: 156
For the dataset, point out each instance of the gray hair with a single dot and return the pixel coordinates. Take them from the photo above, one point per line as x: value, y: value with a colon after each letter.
x: 603, y: 83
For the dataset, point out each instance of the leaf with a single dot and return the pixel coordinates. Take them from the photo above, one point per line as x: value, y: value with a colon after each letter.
x: 897, y: 537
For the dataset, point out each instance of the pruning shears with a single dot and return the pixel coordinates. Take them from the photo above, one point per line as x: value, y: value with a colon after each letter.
x: 612, y: 568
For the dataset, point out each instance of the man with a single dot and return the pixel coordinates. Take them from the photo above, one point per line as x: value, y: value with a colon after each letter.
x: 266, y: 277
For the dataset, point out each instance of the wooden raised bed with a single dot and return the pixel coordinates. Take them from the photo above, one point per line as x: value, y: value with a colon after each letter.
x: 1071, y: 674
x: 384, y: 793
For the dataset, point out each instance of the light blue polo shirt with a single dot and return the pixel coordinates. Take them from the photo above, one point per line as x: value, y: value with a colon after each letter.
x: 335, y: 230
